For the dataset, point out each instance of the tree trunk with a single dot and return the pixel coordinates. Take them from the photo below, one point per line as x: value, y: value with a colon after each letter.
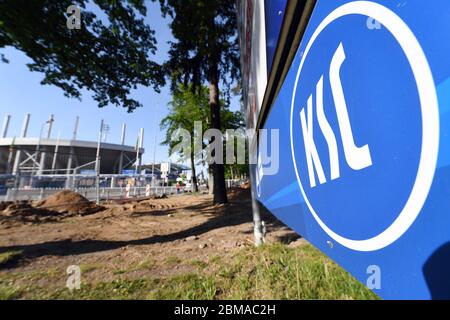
x: 194, y: 175
x: 210, y: 180
x: 220, y: 191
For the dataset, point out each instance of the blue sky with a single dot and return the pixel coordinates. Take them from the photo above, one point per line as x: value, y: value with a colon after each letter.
x: 21, y: 92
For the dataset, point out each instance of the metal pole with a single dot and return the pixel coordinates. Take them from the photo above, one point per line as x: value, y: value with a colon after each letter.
x: 154, y: 151
x: 71, y: 154
x: 137, y: 155
x: 10, y: 156
x: 124, y: 131
x: 50, y: 125
x: 97, y: 164
x: 44, y: 154
x: 141, y: 146
x: 122, y: 140
x: 75, y: 129
x: 105, y: 132
x: 33, y: 172
x: 56, y: 152
x: 6, y: 126
x: 258, y: 225
x: 26, y: 122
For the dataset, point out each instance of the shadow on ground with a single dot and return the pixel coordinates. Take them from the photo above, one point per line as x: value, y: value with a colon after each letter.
x: 232, y: 214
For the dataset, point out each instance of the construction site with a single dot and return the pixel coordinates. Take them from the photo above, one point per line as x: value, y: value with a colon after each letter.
x: 224, y: 150
x: 32, y: 168
x: 128, y: 227
x: 97, y: 207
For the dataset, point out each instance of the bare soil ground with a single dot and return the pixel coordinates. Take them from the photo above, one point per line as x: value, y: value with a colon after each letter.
x: 151, y: 238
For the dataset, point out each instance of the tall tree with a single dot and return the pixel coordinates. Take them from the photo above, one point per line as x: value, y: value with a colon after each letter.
x: 235, y: 121
x: 109, y: 56
x: 206, y: 49
x: 187, y: 107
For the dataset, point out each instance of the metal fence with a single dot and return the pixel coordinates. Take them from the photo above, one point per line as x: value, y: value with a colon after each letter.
x: 234, y: 183
x: 108, y: 188
x: 90, y: 193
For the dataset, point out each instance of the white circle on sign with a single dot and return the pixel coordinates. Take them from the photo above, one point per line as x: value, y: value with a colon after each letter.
x: 430, y: 122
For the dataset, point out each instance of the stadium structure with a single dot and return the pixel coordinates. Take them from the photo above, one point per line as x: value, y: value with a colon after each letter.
x: 32, y: 168
x: 45, y: 156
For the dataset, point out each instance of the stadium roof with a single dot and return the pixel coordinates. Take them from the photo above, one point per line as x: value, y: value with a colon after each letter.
x: 65, y: 143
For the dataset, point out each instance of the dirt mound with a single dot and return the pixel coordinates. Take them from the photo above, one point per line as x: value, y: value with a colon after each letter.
x: 69, y: 202
x: 156, y: 206
x: 17, y: 208
x: 59, y: 206
x: 5, y: 204
x: 24, y: 212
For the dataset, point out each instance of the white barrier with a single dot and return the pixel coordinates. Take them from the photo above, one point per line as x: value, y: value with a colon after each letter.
x: 89, y: 193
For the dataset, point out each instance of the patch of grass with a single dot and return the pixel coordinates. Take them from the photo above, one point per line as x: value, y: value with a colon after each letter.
x: 119, y: 289
x: 37, y: 275
x: 269, y: 272
x: 172, y: 261
x: 8, y: 291
x: 9, y: 256
x: 185, y: 287
x: 120, y: 271
x: 145, y: 264
x: 86, y: 268
x: 214, y: 259
x: 279, y: 272
x: 198, y: 263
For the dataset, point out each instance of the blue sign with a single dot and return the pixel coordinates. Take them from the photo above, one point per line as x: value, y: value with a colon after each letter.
x: 129, y: 172
x: 88, y: 172
x: 364, y: 125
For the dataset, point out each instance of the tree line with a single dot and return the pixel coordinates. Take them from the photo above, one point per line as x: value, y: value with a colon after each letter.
x: 113, y: 56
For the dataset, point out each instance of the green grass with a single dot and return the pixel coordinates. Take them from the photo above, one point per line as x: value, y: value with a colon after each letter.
x: 190, y: 286
x: 214, y: 259
x: 86, y: 268
x: 120, y: 271
x: 279, y: 272
x: 118, y: 289
x: 145, y: 264
x: 172, y: 261
x: 199, y: 264
x: 9, y: 256
x: 270, y: 272
x: 8, y: 291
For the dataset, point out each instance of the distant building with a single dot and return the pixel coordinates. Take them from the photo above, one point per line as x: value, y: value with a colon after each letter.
x: 175, y: 170
x: 46, y: 162
x: 50, y: 156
